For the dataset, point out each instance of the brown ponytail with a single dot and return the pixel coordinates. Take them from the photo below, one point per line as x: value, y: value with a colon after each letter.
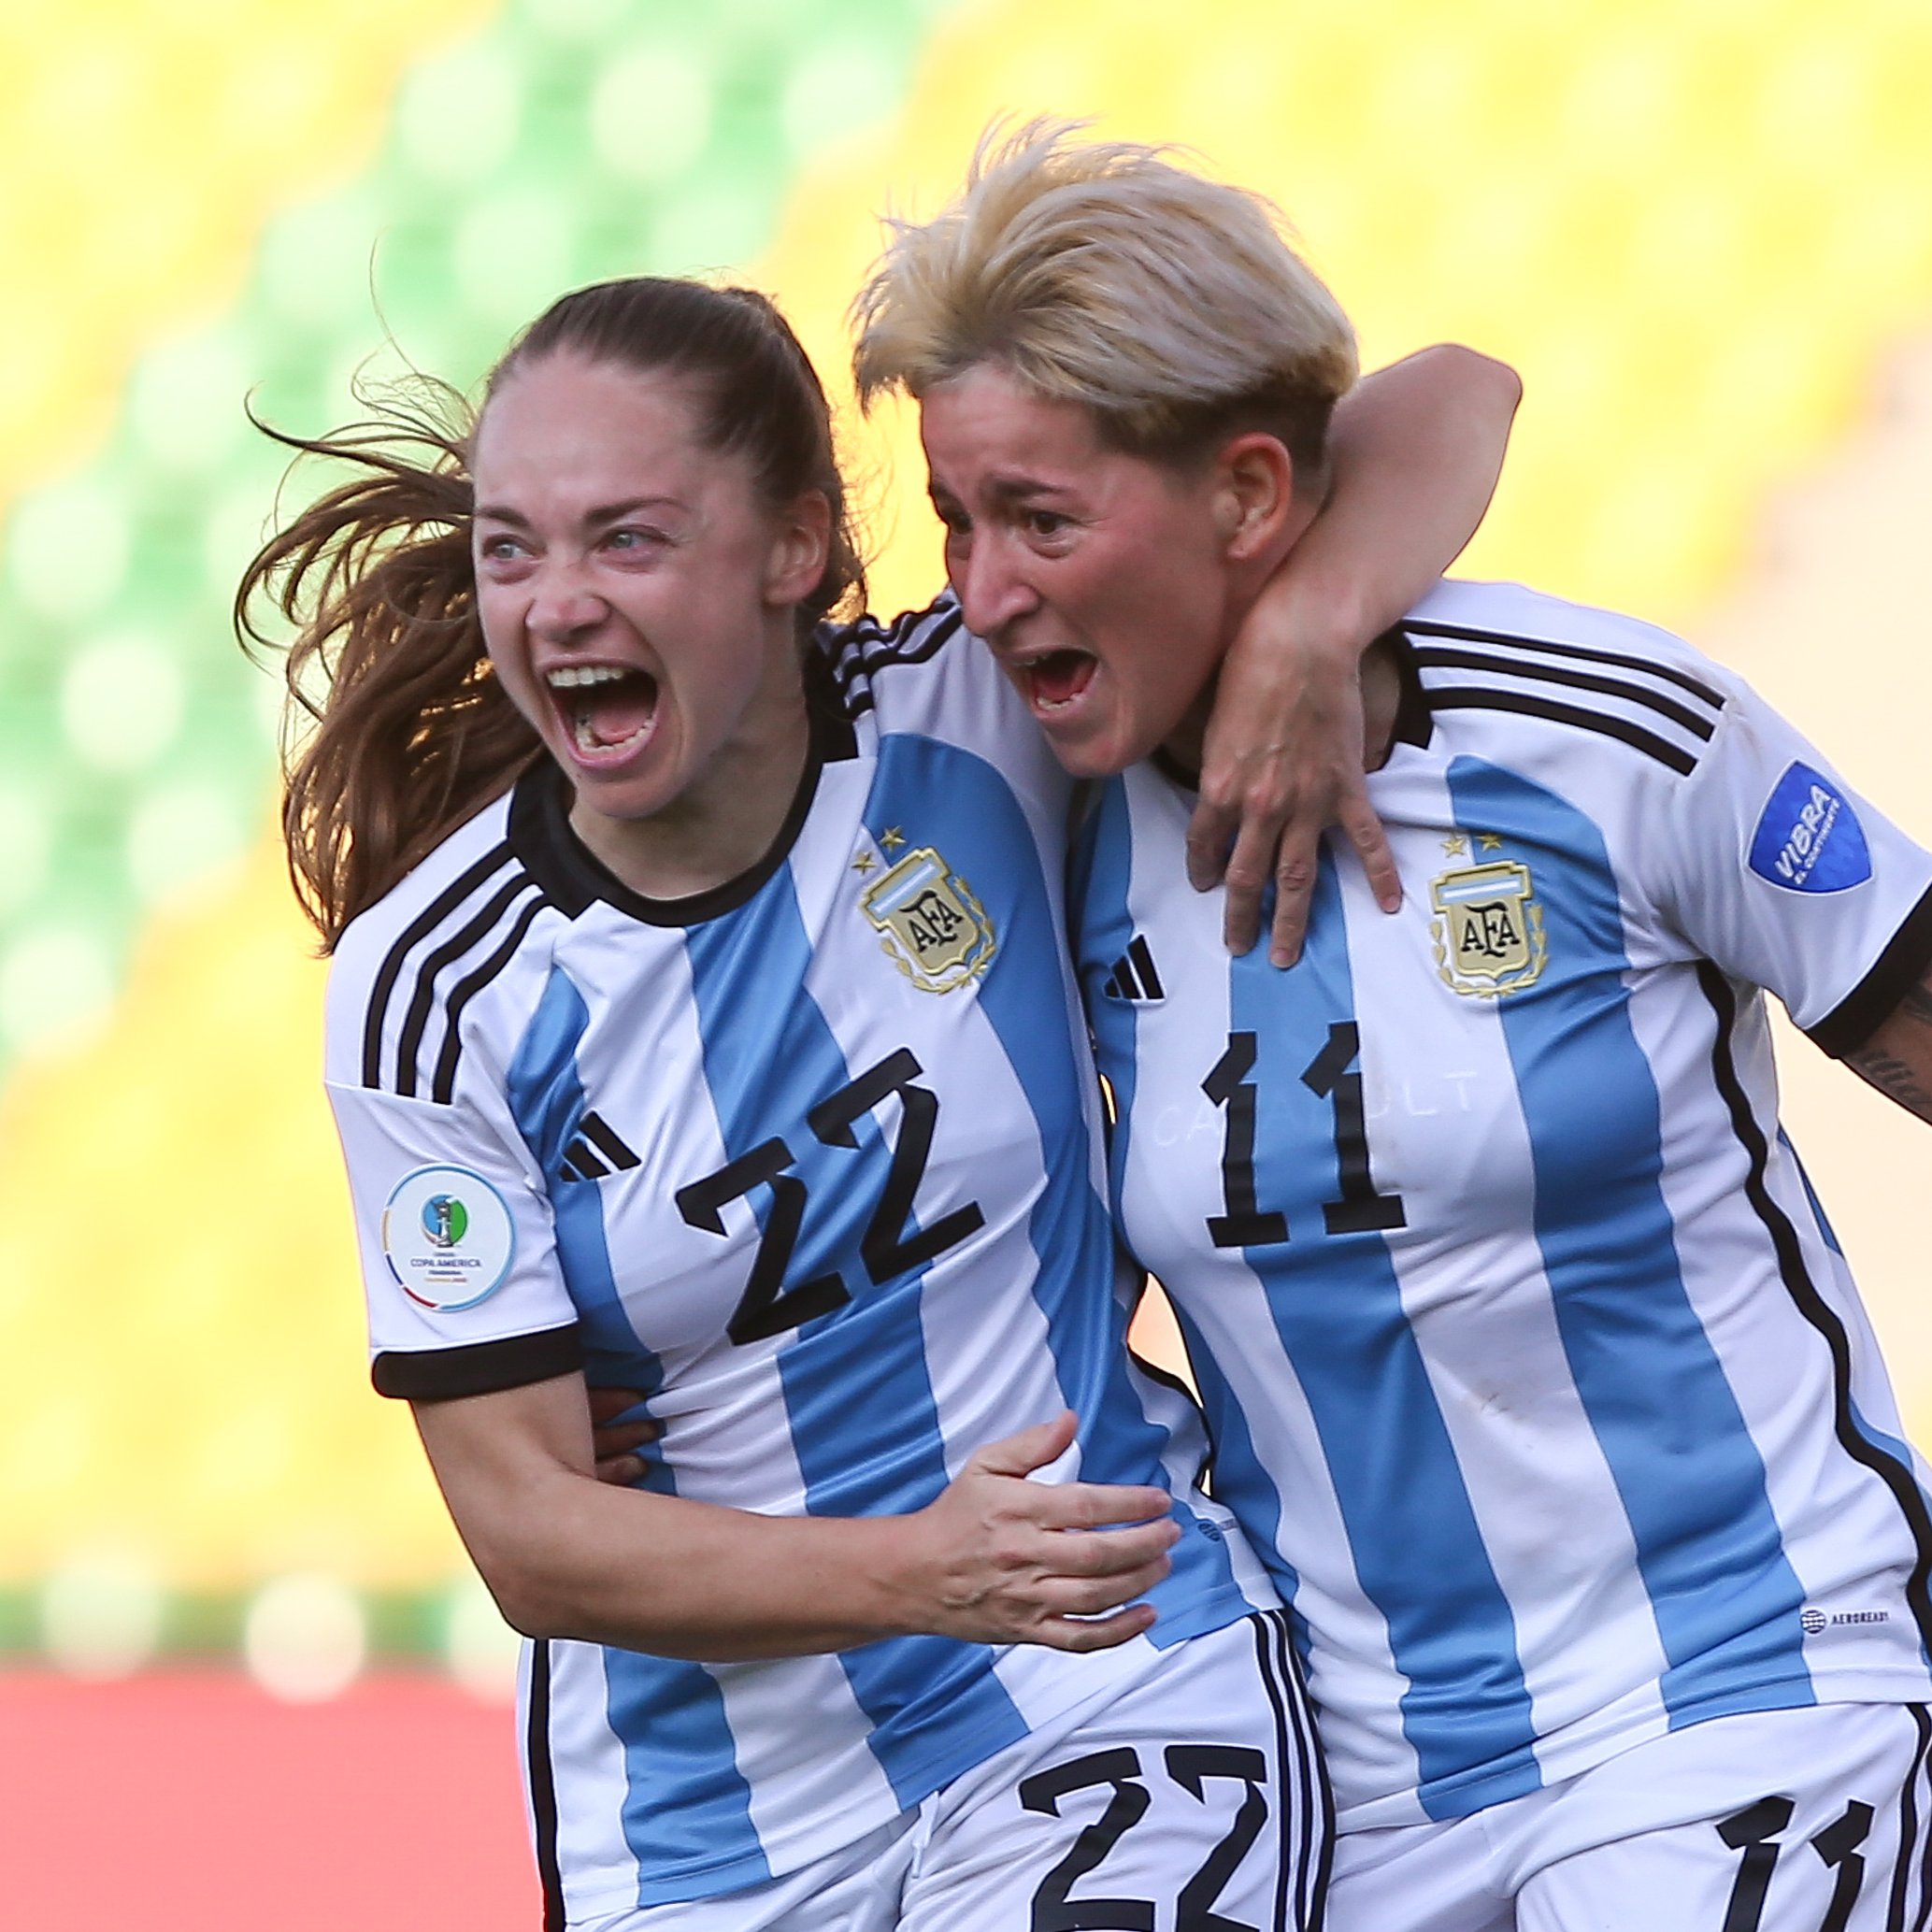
x: 395, y: 729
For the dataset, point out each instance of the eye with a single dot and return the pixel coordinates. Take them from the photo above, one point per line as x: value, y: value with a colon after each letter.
x: 628, y: 540
x: 1044, y: 523
x: 500, y: 550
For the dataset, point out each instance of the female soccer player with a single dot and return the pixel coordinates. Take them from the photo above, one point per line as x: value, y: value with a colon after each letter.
x: 1530, y: 1361
x: 699, y: 1020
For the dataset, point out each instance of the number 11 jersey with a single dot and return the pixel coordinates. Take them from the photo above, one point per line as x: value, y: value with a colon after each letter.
x: 813, y: 1161
x: 1531, y: 1363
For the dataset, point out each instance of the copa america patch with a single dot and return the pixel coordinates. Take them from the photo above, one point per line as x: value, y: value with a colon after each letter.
x: 448, y: 1238
x: 1809, y: 839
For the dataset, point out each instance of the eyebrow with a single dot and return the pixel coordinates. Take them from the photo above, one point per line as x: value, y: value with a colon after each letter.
x: 1023, y: 488
x: 1006, y: 490
x: 598, y: 513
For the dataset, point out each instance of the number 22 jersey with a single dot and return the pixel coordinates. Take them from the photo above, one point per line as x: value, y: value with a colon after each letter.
x: 1530, y: 1360
x: 811, y: 1161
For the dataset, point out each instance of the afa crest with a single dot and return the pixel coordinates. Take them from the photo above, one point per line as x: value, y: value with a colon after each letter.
x: 931, y: 926
x: 1488, y: 929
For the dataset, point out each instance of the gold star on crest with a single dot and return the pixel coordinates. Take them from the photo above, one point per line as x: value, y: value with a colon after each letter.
x: 1490, y: 841
x: 1455, y: 845
x: 864, y: 863
x: 891, y: 839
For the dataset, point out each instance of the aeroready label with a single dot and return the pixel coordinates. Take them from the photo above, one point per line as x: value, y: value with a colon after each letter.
x: 448, y: 1238
x: 1809, y: 839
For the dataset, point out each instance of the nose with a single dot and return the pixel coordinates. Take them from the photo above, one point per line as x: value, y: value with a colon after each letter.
x: 990, y: 582
x: 562, y: 607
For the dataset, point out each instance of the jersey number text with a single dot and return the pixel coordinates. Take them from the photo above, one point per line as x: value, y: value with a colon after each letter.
x: 767, y: 1306
x: 1753, y: 1831
x: 1189, y: 1766
x: 1333, y: 1076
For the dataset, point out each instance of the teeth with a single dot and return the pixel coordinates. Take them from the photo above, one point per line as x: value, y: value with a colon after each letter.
x: 571, y: 677
x: 587, y: 740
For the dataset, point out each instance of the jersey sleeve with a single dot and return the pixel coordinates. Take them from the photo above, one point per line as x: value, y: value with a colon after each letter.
x: 452, y: 1217
x: 458, y: 1251
x: 1782, y: 875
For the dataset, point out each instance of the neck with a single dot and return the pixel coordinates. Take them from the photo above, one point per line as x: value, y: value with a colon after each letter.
x: 723, y: 822
x: 1247, y: 579
x: 1379, y: 681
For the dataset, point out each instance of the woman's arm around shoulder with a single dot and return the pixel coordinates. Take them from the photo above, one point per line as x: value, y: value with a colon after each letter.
x: 1415, y: 452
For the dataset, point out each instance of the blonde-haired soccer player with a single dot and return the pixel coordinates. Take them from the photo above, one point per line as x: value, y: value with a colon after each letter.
x: 1531, y: 1360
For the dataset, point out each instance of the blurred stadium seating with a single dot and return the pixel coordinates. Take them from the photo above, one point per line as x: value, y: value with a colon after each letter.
x: 196, y: 1415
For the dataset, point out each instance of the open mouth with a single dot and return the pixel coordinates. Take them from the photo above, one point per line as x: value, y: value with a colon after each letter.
x: 607, y: 708
x: 1056, y: 678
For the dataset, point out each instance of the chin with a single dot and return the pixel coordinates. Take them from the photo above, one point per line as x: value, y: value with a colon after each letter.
x: 1079, y: 762
x: 622, y: 797
x: 1095, y: 752
x: 1077, y: 750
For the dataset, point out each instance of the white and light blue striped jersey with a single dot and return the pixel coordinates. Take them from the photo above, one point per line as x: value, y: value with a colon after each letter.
x: 1529, y: 1357
x: 813, y: 1161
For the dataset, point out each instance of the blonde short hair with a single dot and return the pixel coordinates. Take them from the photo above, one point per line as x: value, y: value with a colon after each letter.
x: 1100, y: 273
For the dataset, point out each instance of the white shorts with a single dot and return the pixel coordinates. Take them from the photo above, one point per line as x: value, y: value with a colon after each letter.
x: 1192, y: 1801
x: 1817, y: 1820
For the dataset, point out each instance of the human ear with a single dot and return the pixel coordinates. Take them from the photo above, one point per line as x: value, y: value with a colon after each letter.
x: 1255, y: 490
x: 799, y: 547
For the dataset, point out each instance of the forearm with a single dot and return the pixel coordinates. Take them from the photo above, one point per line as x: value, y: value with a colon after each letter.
x: 571, y: 1557
x: 996, y: 1558
x: 1415, y: 451
x: 1897, y: 1058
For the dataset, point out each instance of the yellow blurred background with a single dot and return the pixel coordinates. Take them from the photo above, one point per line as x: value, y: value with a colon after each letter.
x: 1702, y: 230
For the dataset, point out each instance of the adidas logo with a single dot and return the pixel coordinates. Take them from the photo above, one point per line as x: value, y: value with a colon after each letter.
x: 596, y: 1152
x: 1134, y: 976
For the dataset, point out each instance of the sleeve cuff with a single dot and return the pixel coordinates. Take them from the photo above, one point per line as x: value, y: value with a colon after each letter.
x: 1869, y: 1004
x: 482, y: 1368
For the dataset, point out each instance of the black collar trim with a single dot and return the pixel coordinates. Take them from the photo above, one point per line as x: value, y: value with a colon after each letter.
x: 1415, y: 720
x: 1172, y: 769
